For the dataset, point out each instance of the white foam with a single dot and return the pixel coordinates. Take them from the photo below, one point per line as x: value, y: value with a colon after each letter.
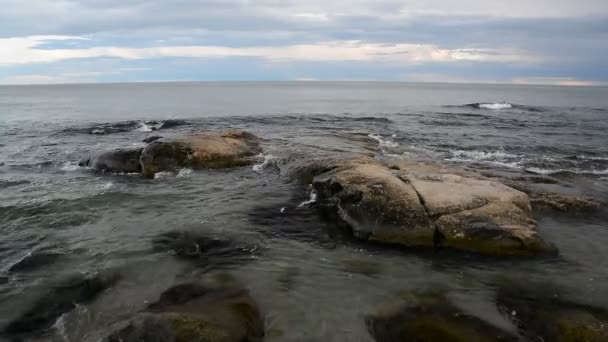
x: 383, y: 142
x: 311, y: 199
x: 105, y: 186
x: 68, y: 166
x: 495, y: 106
x: 163, y: 175
x: 483, y: 155
x: 184, y: 173
x: 268, y: 160
x: 143, y: 127
x: 575, y: 171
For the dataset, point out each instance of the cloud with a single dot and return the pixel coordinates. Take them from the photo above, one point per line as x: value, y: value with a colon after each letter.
x: 487, y: 38
x: 27, y: 50
x: 562, y: 81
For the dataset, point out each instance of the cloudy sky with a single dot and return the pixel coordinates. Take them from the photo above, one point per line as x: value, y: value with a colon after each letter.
x: 516, y: 41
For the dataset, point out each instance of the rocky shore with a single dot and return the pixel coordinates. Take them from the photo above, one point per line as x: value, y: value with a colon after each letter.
x: 417, y: 206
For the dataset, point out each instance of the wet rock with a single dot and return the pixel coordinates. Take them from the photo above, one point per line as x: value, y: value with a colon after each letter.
x: 543, y: 318
x: 210, y: 252
x: 493, y: 229
x: 376, y: 204
x: 424, y: 205
x: 215, y: 309
x: 563, y: 203
x: 59, y: 300
x: 430, y: 321
x: 152, y: 138
x: 34, y: 261
x: 124, y: 160
x: 204, y: 150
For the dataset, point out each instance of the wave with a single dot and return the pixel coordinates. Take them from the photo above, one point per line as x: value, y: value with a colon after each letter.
x: 497, y: 106
x: 554, y: 172
x: 483, y: 155
x: 382, y: 141
x: 268, y: 161
x: 126, y: 126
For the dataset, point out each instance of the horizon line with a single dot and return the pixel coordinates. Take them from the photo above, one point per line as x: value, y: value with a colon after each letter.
x: 598, y: 83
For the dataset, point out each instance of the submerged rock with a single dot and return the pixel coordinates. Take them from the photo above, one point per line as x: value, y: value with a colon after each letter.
x: 59, y: 300
x: 209, y: 251
x: 34, y: 260
x: 200, y: 151
x: 419, y: 206
x: 152, y: 138
x: 543, y: 318
x: 215, y: 309
x: 124, y: 160
x: 432, y: 321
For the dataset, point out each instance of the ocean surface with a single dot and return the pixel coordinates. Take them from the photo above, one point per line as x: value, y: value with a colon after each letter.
x: 311, y: 284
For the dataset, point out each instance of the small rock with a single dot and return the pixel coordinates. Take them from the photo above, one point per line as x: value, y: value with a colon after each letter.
x: 215, y: 309
x: 433, y: 319
x: 152, y: 138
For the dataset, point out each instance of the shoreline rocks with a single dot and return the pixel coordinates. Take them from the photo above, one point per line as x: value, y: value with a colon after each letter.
x: 419, y: 207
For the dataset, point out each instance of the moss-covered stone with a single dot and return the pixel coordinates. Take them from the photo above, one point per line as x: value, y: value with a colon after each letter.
x: 214, y: 309
x: 433, y: 319
x: 540, y: 317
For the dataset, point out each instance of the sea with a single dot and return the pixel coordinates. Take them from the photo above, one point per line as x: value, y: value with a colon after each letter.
x: 310, y: 283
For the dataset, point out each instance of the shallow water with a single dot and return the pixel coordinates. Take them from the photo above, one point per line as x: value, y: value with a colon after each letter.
x: 311, y: 281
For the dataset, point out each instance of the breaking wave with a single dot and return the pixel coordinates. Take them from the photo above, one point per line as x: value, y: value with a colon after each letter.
x: 126, y: 126
x: 383, y: 142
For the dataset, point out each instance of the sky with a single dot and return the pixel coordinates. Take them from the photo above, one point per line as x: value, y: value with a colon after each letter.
x: 561, y: 42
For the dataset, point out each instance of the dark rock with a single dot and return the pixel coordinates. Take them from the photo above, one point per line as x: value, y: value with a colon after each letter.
x: 152, y: 138
x: 433, y: 320
x: 59, y: 300
x: 209, y: 252
x: 544, y: 318
x: 216, y: 309
x: 201, y: 151
x: 34, y: 260
x: 124, y: 160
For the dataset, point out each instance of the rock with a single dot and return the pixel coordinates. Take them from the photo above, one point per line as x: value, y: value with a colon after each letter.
x: 217, y: 309
x: 544, y: 318
x: 376, y: 204
x: 431, y: 321
x: 541, y: 199
x: 209, y: 251
x: 125, y: 160
x: 34, y: 260
x: 493, y: 229
x: 425, y: 205
x: 563, y: 203
x: 59, y: 300
x: 204, y: 150
x: 152, y: 138
x: 445, y: 194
